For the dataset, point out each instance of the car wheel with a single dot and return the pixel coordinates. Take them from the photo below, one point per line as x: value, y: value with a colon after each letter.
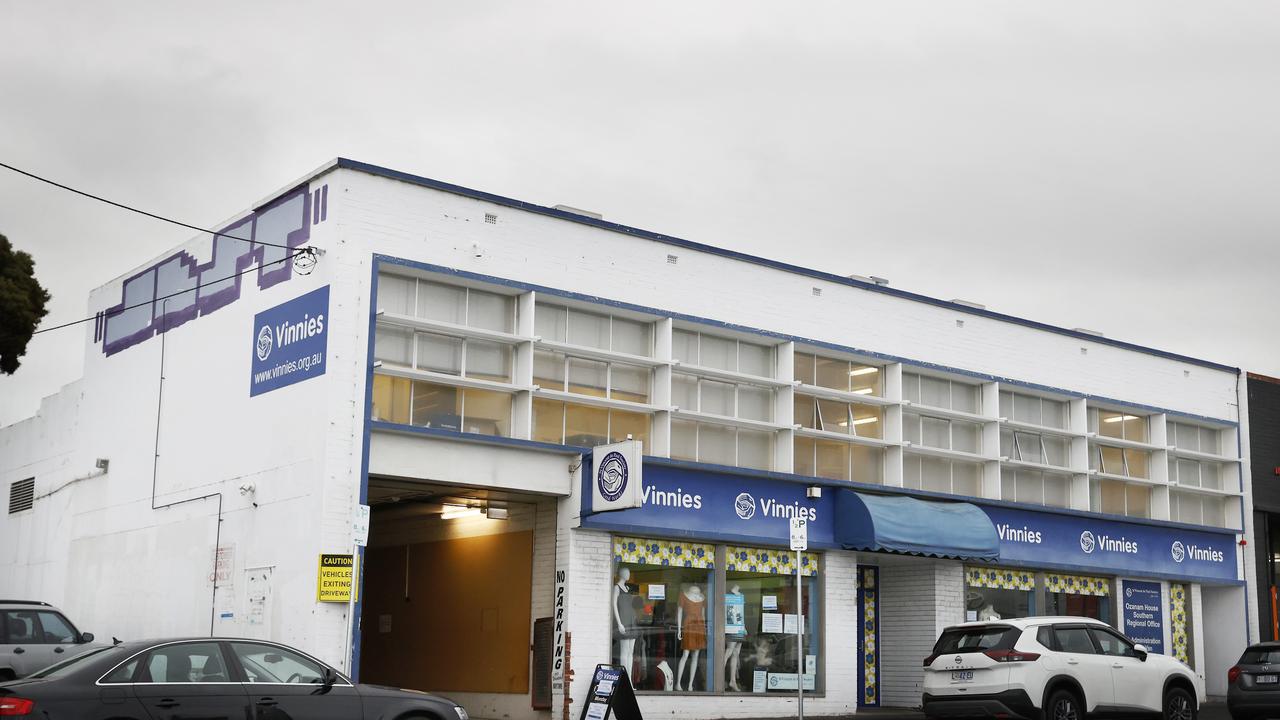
x: 1063, y: 705
x: 1179, y: 705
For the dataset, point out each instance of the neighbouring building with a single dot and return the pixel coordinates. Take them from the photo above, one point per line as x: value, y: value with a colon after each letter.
x: 1264, y: 455
x: 449, y: 357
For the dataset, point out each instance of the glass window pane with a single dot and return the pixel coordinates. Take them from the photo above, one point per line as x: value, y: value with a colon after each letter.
x: 965, y: 397
x: 716, y: 444
x: 806, y: 411
x: 1188, y: 473
x: 832, y: 374
x: 585, y: 426
x: 755, y: 403
x: 391, y: 399
x: 274, y: 664
x: 1029, y: 487
x: 684, y: 440
x: 185, y: 663
x: 1057, y: 449
x: 548, y: 421
x: 589, y: 329
x: 1138, y: 500
x: 1007, y: 447
x: 395, y: 294
x: 1209, y: 442
x: 445, y: 303
x: 966, y: 478
x: 587, y: 377
x: 716, y: 397
x: 911, y: 387
x: 717, y: 352
x: 868, y: 464
x: 439, y: 353
x: 864, y: 379
x: 684, y: 346
x: 834, y: 416
x: 1138, y: 462
x: 486, y: 412
x: 548, y: 369
x: 550, y: 322
x: 631, y: 336
x: 684, y: 391
x: 490, y: 311
x: 1057, y: 490
x: 1211, y: 475
x: 935, y: 432
x: 966, y: 436
x: 1112, y: 460
x: 623, y: 423
x: 437, y: 406
x: 488, y: 361
x: 833, y: 459
x: 911, y: 427
x: 688, y: 601
x: 750, y: 589
x: 1006, y: 405
x: 1135, y: 428
x: 1108, y: 423
x: 1112, y: 497
x: 868, y: 420
x: 755, y: 449
x: 755, y: 359
x: 1054, y: 413
x: 629, y: 382
x: 935, y: 474
x: 935, y: 392
x: 805, y: 462
x: 911, y: 472
x: 393, y: 345
x: 1028, y: 447
x: 56, y: 630
x: 1026, y: 408
x: 804, y: 368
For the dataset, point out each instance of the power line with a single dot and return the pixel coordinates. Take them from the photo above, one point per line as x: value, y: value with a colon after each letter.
x: 122, y: 206
x: 303, y: 251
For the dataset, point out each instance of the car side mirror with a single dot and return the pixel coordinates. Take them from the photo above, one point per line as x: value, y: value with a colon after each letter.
x: 86, y: 637
x: 1140, y: 652
x: 328, y: 677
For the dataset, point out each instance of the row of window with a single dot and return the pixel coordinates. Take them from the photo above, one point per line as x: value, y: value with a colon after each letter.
x: 448, y: 358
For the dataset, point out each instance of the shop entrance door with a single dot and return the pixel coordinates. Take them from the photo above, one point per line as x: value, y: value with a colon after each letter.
x: 868, y: 578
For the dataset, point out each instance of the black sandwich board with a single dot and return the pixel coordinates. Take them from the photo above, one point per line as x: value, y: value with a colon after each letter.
x: 610, y: 691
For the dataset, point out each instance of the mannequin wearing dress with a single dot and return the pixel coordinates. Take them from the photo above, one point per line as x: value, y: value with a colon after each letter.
x: 733, y: 650
x: 691, y: 631
x: 624, y: 616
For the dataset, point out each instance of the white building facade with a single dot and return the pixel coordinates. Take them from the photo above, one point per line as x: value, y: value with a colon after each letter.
x: 449, y: 357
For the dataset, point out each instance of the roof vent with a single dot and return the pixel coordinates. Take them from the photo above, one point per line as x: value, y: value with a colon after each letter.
x: 968, y: 303
x: 578, y: 211
x: 1087, y: 331
x: 869, y: 279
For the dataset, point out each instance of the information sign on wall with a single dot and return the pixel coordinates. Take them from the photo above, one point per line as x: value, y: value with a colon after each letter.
x: 617, y: 472
x: 1142, y: 614
x: 333, y: 581
x: 289, y: 342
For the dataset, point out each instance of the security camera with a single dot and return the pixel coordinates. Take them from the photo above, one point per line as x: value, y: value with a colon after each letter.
x: 813, y: 492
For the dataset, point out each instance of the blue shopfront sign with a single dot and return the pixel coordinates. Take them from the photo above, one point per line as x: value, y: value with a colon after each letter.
x: 683, y: 502
x: 1142, y: 614
x: 289, y: 342
x: 1076, y: 542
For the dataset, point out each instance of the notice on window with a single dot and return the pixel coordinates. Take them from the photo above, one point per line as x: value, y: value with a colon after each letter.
x: 770, y: 602
x: 657, y: 592
x: 971, y: 616
x: 770, y: 622
x: 760, y: 681
x: 791, y: 624
x: 787, y: 681
x: 811, y: 664
x: 735, y: 614
x: 333, y: 581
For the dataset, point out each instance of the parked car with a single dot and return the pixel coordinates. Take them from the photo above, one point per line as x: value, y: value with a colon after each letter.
x: 34, y: 635
x: 209, y: 678
x: 1054, y: 667
x: 1253, y: 684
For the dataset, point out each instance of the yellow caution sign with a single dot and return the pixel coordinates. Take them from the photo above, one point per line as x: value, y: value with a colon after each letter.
x: 333, y: 581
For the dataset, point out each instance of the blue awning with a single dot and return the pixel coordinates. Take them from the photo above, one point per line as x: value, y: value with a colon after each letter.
x: 918, y: 527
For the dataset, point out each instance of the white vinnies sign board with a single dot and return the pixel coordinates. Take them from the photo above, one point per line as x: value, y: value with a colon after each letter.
x: 616, y: 476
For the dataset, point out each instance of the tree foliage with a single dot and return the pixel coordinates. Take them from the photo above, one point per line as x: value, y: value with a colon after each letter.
x: 22, y: 304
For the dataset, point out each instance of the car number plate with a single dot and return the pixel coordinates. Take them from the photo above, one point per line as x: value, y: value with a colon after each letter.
x: 1267, y: 679
x: 961, y: 676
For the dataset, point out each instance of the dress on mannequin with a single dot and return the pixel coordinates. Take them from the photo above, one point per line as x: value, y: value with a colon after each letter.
x: 624, y: 617
x: 693, y: 630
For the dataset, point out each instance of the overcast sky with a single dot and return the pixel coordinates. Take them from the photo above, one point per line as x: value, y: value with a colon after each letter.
x: 1087, y: 164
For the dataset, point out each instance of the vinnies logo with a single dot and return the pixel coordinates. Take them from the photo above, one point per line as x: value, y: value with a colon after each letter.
x: 1087, y: 542
x: 745, y: 506
x: 611, y: 478
x: 264, y: 343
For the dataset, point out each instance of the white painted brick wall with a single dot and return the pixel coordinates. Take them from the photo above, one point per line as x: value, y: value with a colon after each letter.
x: 918, y: 598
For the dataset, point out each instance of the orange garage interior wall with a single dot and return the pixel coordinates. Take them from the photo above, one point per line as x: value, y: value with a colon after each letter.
x: 464, y: 625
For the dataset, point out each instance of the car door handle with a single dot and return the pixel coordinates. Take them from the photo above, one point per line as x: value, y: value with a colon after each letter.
x: 1118, y: 666
x: 267, y: 702
x: 168, y: 703
x: 58, y: 649
x: 1073, y: 662
x: 18, y: 651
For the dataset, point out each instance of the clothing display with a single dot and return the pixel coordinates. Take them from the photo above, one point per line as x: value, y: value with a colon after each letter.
x: 627, y: 602
x: 694, y: 629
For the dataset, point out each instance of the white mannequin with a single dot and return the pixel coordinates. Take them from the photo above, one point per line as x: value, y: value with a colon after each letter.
x: 733, y: 651
x: 627, y: 645
x: 694, y: 593
x: 988, y: 612
x: 668, y: 683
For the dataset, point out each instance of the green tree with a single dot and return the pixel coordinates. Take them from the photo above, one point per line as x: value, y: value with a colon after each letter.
x: 22, y: 304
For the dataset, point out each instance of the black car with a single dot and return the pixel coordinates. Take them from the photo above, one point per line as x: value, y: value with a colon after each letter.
x: 1253, y: 685
x: 209, y: 678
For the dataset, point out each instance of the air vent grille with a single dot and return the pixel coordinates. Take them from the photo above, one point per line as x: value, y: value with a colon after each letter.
x: 22, y: 495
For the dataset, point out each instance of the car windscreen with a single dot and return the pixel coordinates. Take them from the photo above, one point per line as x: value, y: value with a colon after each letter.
x: 70, y: 665
x: 976, y: 638
x: 1260, y: 656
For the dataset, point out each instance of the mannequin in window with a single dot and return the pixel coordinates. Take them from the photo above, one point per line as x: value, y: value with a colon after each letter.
x: 988, y: 612
x: 734, y: 608
x: 624, y: 617
x: 691, y: 631
x: 667, y: 682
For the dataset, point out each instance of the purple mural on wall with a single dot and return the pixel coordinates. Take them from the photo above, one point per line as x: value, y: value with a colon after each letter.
x: 180, y: 288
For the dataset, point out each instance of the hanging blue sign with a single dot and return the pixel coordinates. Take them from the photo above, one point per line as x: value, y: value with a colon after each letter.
x: 289, y: 342
x: 1142, y: 614
x: 1085, y: 544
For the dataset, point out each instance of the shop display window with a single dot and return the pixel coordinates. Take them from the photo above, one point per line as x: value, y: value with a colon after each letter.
x: 663, y: 613
x: 1078, y: 596
x: 760, y: 621
x: 999, y: 593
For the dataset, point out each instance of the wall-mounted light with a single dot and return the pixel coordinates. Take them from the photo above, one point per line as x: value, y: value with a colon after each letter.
x: 453, y: 512
x: 498, y: 513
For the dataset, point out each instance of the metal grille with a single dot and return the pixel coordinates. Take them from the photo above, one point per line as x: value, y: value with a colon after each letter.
x: 22, y: 495
x: 543, y: 635
x: 491, y: 218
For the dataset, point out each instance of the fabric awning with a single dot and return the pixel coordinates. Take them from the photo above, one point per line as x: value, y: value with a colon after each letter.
x: 918, y: 527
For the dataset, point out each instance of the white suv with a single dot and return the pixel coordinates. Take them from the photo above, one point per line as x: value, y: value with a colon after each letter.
x: 1059, y: 668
